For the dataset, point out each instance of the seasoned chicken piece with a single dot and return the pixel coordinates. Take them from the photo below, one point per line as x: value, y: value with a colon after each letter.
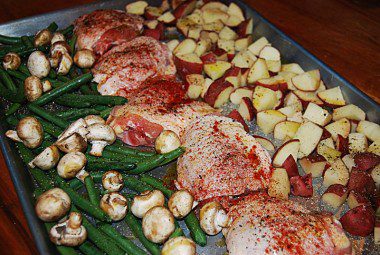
x: 159, y: 105
x: 221, y: 159
x: 265, y: 225
x: 124, y: 68
x: 102, y: 29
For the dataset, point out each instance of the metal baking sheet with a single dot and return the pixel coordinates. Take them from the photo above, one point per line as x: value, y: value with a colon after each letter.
x: 290, y: 51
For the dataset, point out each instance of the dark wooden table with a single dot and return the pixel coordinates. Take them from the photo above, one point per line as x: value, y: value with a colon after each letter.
x: 344, y: 34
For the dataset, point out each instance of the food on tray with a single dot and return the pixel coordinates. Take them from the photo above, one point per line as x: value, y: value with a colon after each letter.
x: 127, y: 77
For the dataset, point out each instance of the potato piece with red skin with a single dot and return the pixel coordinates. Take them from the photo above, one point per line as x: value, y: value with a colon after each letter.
x: 359, y: 221
x: 342, y: 144
x: 335, y: 195
x: 245, y: 28
x: 366, y: 160
x: 290, y: 166
x: 188, y: 64
x: 246, y: 109
x: 355, y: 199
x: 218, y: 93
x: 314, y: 164
x: 235, y: 115
x: 361, y: 182
x: 184, y: 9
x: 302, y: 185
x: 209, y: 58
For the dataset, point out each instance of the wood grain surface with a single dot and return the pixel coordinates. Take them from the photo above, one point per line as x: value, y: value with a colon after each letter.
x: 344, y: 34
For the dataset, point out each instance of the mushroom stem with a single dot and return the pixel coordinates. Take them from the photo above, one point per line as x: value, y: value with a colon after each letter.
x: 12, y: 134
x: 97, y: 148
x: 70, y: 232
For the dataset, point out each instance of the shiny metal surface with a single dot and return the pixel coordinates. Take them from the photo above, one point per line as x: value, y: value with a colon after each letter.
x: 291, y: 52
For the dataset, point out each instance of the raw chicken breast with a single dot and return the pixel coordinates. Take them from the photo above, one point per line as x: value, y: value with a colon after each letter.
x: 160, y: 105
x: 265, y: 225
x: 221, y: 159
x: 124, y: 68
x: 102, y: 29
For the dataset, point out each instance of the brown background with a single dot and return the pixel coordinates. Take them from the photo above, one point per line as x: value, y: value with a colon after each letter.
x: 344, y: 34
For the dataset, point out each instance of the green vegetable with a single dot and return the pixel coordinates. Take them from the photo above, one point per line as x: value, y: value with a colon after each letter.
x: 119, y: 147
x: 69, y: 86
x: 93, y: 193
x: 52, y: 74
x: 24, y: 69
x: 9, y: 40
x: 26, y: 41
x: 137, y: 231
x: 148, y: 164
x: 94, y: 163
x: 17, y: 74
x: 4, y: 76
x: 73, y: 114
x: 72, y: 42
x: 113, y: 156
x: 82, y: 203
x: 12, y: 109
x: 49, y: 127
x: 67, y: 30
x: 105, y: 113
x: 52, y: 27
x: 91, y: 99
x: 88, y: 248
x: 135, y: 184
x: 48, y: 116
x: 126, y: 244
x: 63, y: 78
x: 86, y: 90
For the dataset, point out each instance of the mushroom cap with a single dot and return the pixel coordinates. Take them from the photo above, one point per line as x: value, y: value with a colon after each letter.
x: 115, y: 205
x: 33, y: 88
x: 179, y: 246
x: 70, y: 164
x: 213, y: 218
x: 52, y: 205
x: 84, y: 58
x: 59, y: 48
x: 72, y: 143
x: 65, y: 64
x: 145, y: 201
x: 112, y: 180
x: 79, y: 126
x: 38, y: 64
x: 43, y: 37
x: 92, y: 119
x: 11, y: 61
x: 167, y: 141
x: 30, y: 131
x: 101, y: 132
x: 47, y: 159
x: 57, y: 37
x: 69, y: 232
x: 181, y: 203
x: 158, y: 224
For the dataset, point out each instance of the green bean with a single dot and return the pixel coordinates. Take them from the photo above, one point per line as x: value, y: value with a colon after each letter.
x: 100, y: 107
x: 4, y: 76
x: 49, y: 127
x: 19, y: 49
x: 191, y: 220
x: 88, y: 248
x: 119, y: 147
x: 9, y: 40
x: 148, y: 164
x: 24, y: 69
x: 67, y: 30
x: 26, y: 41
x: 93, y: 193
x: 12, y: 121
x: 52, y: 27
x: 8, y: 95
x: 72, y: 42
x: 135, y: 184
x: 177, y: 232
x: 105, y: 113
x: 76, y: 113
x: 23, y: 52
x: 137, y: 231
x: 94, y: 87
x: 69, y: 86
x: 45, y: 143
x: 12, y: 109
x: 82, y: 203
x: 112, y: 156
x: 17, y: 74
x: 75, y: 184
x: 170, y: 156
x: 52, y: 74
x: 126, y: 244
x: 93, y: 99
x: 73, y: 104
x: 86, y: 90
x: 48, y: 116
x: 101, y: 164
x: 63, y: 78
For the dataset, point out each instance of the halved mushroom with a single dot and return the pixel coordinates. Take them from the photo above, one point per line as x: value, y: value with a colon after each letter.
x: 81, y: 175
x: 167, y: 141
x: 52, y: 205
x: 158, y: 224
x: 179, y: 246
x: 70, y: 232
x: 181, y: 203
x: 112, y: 180
x: 84, y: 58
x: 38, y: 64
x: 79, y: 126
x: 145, y: 201
x: 65, y: 64
x: 28, y: 131
x: 213, y: 218
x: 115, y: 205
x: 11, y: 61
x: 59, y: 48
x: 70, y: 164
x: 33, y: 88
x: 100, y: 135
x: 92, y: 119
x: 47, y: 159
x: 46, y: 85
x: 43, y: 37
x: 73, y: 143
x: 57, y: 37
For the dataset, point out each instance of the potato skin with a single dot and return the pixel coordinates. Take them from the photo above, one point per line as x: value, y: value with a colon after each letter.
x: 359, y: 221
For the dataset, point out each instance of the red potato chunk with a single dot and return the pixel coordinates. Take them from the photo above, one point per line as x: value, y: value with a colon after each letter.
x: 359, y: 221
x: 366, y: 160
x: 302, y: 185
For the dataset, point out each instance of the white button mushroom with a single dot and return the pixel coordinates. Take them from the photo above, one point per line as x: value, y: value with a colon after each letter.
x: 57, y: 37
x: 100, y: 135
x: 43, y: 37
x: 73, y: 143
x: 38, y: 64
x: 79, y: 126
x: 33, y: 88
x: 92, y: 119
x: 47, y: 159
x: 167, y: 141
x: 181, y: 203
x: 59, y: 48
x: 65, y: 64
x: 115, y: 205
x: 46, y: 85
x: 69, y: 233
x: 112, y: 180
x: 145, y: 201
x: 213, y: 218
x: 52, y: 205
x: 28, y: 131
x: 179, y: 246
x: 11, y: 61
x: 158, y: 224
x: 81, y: 175
x: 70, y: 164
x: 84, y: 58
